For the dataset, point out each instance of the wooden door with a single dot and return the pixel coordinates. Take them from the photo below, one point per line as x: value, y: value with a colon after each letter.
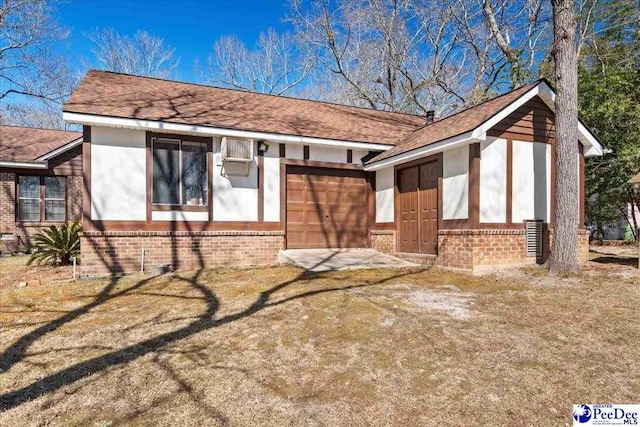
x: 429, y: 173
x: 326, y: 208
x: 418, y: 208
x: 408, y: 184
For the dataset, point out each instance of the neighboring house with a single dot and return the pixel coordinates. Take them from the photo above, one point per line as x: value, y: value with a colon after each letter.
x: 621, y: 229
x: 40, y: 182
x: 191, y: 175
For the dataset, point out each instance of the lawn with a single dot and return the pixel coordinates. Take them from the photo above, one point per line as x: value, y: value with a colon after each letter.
x: 276, y: 346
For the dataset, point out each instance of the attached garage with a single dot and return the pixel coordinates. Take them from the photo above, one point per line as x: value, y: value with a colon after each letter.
x: 326, y: 208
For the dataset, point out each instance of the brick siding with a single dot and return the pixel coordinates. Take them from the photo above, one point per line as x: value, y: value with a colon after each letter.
x: 24, y: 231
x: 121, y: 251
x: 383, y: 240
x: 470, y: 249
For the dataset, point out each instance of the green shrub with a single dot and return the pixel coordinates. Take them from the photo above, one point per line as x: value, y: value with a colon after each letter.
x: 57, y: 245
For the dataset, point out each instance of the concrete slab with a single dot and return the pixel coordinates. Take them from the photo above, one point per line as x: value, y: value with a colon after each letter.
x: 318, y: 260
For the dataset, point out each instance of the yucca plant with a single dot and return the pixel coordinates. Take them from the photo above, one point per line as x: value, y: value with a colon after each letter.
x: 57, y: 245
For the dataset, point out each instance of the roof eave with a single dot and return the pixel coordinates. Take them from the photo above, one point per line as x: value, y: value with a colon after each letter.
x: 24, y: 165
x: 60, y: 150
x: 592, y: 146
x: 162, y: 126
x: 446, y: 144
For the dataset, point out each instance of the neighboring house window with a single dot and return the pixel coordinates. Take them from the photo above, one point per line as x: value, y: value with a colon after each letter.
x: 41, y: 198
x: 179, y: 172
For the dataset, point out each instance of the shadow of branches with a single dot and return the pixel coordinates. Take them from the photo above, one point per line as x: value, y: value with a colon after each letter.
x: 205, y: 321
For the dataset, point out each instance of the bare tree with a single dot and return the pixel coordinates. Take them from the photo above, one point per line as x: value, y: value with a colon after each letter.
x: 520, y: 34
x: 372, y: 53
x: 142, y: 54
x: 567, y: 215
x: 414, y: 56
x: 34, y: 81
x: 45, y: 115
x: 276, y: 66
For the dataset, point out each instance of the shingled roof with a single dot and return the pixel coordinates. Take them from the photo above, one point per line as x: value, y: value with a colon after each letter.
x: 455, y: 124
x: 126, y: 96
x: 23, y: 144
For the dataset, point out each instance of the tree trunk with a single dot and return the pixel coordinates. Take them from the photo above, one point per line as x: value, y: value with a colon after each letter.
x: 563, y: 257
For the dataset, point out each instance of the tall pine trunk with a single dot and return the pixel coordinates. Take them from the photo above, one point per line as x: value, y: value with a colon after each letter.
x: 563, y: 257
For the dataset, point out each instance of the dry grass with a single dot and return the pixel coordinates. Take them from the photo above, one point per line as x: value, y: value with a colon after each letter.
x: 274, y: 346
x: 14, y: 270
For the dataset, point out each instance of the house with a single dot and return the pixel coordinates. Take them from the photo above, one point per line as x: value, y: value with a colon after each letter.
x: 190, y: 175
x: 40, y: 182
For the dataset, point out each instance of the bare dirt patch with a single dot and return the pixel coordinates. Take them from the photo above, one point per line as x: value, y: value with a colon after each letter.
x: 277, y: 346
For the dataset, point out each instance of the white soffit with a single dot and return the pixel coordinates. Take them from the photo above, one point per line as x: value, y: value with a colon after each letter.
x: 89, y: 119
x: 25, y: 165
x: 447, y: 144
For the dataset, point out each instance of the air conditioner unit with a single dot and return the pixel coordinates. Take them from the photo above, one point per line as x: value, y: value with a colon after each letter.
x: 236, y: 150
x: 533, y: 231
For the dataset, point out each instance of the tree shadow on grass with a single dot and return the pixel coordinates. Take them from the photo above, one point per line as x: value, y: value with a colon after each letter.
x: 205, y: 321
x: 626, y: 261
x: 612, y: 258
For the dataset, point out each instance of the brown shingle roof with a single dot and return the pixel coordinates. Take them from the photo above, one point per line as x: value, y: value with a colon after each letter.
x: 22, y: 144
x: 122, y: 95
x: 454, y: 125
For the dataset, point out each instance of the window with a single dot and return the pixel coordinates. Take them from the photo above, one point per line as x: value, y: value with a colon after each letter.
x: 54, y: 198
x: 41, y: 198
x: 179, y: 172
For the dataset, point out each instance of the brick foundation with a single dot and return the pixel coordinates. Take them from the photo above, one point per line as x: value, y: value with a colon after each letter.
x: 121, y: 251
x: 383, y: 240
x: 23, y: 232
x: 471, y: 249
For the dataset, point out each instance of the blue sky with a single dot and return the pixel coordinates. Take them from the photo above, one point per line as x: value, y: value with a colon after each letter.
x: 190, y: 26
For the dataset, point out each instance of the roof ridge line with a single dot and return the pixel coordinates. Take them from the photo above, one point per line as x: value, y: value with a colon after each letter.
x: 255, y: 93
x: 37, y: 128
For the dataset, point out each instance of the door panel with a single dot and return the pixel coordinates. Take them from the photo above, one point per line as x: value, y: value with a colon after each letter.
x: 326, y: 208
x: 429, y: 173
x: 408, y: 182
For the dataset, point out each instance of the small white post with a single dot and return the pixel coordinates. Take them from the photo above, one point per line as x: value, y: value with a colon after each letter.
x: 74, y: 268
x: 142, y: 262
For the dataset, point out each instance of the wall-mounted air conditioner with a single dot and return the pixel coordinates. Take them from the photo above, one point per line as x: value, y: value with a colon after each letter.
x: 236, y: 156
x: 236, y: 150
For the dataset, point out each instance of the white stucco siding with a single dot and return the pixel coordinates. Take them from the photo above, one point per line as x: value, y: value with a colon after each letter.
x: 327, y: 154
x: 455, y: 183
x: 493, y: 181
x: 118, y: 174
x: 531, y: 181
x: 235, y: 195
x: 179, y: 216
x: 271, y: 186
x: 357, y: 155
x: 384, y: 195
x: 294, y: 151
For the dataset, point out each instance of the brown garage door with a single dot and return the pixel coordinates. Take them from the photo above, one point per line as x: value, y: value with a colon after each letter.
x: 326, y: 208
